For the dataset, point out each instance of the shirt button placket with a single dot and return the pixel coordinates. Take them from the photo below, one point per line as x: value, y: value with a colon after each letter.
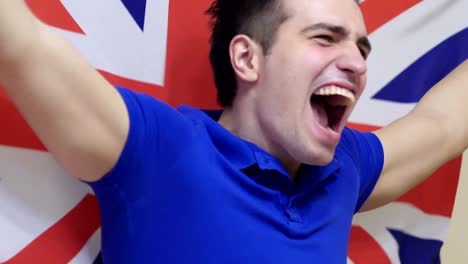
x: 291, y: 211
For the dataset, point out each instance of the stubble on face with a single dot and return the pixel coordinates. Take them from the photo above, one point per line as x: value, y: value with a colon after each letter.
x: 283, y: 120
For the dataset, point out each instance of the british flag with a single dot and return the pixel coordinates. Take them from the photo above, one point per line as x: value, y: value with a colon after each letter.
x: 150, y: 46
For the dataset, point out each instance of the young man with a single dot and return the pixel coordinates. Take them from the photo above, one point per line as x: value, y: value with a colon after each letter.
x: 276, y: 178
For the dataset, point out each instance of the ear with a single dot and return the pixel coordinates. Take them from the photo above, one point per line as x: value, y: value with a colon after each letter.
x: 245, y: 58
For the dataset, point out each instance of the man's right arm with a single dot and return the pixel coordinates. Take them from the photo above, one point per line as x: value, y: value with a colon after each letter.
x: 76, y: 113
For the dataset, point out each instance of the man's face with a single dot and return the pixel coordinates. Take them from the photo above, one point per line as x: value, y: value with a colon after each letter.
x: 311, y: 78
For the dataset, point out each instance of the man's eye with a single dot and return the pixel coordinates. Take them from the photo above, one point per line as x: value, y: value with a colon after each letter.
x: 325, y: 38
x: 364, y: 53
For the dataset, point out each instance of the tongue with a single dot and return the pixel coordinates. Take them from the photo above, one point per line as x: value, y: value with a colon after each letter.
x: 319, y: 111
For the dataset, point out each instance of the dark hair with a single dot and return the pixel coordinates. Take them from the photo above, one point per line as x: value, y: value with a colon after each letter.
x: 258, y: 19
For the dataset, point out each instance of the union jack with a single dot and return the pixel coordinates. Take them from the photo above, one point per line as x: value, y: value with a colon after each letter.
x: 140, y: 44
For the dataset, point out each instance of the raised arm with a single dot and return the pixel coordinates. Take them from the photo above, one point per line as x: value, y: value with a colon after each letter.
x: 80, y: 117
x: 434, y: 132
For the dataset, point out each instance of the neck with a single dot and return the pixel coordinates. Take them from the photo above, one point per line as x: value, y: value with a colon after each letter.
x: 244, y: 125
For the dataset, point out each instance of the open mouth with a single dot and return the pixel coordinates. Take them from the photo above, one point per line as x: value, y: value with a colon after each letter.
x: 330, y: 103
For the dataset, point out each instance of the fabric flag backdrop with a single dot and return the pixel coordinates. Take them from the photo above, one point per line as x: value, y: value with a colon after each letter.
x: 160, y: 48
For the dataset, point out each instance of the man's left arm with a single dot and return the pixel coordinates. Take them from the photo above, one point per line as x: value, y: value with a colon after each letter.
x: 415, y: 146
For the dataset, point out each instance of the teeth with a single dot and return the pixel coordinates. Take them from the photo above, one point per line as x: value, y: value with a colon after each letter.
x: 334, y: 90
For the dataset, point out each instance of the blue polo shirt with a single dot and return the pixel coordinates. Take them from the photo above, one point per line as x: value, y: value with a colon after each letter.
x: 186, y: 190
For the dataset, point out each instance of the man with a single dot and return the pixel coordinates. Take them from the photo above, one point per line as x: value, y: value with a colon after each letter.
x: 276, y: 179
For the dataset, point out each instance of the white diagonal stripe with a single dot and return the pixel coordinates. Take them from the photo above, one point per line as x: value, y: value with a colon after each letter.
x: 34, y: 194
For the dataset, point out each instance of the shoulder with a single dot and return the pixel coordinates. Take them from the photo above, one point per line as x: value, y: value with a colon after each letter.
x: 360, y: 146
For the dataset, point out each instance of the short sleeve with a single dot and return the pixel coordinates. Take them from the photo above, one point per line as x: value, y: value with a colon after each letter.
x: 157, y: 133
x: 366, y: 151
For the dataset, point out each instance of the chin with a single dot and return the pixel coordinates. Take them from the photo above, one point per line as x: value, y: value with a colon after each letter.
x: 325, y: 161
x: 323, y: 158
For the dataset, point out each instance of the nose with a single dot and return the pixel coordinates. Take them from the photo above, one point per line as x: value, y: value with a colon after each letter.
x: 352, y: 61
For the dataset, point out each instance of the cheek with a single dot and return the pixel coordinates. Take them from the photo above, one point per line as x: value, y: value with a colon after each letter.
x: 287, y: 80
x: 316, y: 59
x: 362, y: 85
x: 364, y: 81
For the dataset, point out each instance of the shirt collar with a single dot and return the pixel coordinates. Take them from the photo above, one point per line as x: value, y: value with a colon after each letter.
x: 311, y: 176
x: 266, y: 161
x: 243, y: 154
x: 233, y: 148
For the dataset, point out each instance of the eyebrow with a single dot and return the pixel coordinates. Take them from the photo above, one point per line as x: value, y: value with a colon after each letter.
x: 339, y: 30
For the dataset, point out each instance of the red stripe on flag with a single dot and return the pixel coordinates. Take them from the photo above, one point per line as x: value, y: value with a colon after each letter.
x: 154, y: 90
x: 437, y: 194
x: 378, y: 12
x: 16, y: 132
x: 188, y: 72
x: 54, y: 13
x: 63, y: 241
x: 364, y: 249
x: 362, y: 127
